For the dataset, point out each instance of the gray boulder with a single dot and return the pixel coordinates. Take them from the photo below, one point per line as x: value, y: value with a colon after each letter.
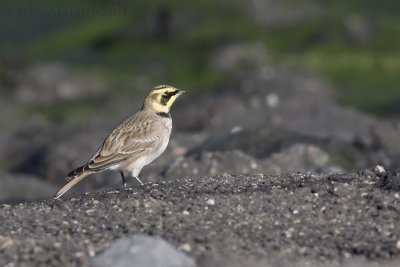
x: 143, y: 251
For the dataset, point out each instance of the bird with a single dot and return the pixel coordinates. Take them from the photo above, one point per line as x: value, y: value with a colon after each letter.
x: 134, y: 143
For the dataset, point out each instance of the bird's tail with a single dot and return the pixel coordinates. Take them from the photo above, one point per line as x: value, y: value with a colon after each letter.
x: 73, y: 178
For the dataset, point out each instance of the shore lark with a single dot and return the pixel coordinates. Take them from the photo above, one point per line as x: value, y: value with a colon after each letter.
x: 136, y: 142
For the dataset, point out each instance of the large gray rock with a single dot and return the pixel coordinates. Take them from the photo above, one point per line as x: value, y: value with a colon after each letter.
x: 143, y: 251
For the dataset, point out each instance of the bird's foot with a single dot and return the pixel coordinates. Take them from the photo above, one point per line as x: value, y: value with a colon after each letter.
x: 141, y: 183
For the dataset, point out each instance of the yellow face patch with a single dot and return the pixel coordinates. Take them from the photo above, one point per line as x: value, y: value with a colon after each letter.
x: 162, y: 97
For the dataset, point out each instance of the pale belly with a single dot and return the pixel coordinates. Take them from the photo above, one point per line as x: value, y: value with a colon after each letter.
x: 136, y: 166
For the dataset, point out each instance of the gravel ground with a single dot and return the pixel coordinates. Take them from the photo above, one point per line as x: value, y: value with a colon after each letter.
x: 247, y: 220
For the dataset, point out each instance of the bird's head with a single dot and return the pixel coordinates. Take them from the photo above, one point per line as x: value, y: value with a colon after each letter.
x: 161, y: 98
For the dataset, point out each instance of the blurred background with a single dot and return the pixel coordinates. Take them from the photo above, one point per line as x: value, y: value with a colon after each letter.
x: 274, y: 86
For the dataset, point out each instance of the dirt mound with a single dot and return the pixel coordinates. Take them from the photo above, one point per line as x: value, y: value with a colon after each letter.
x: 223, y: 220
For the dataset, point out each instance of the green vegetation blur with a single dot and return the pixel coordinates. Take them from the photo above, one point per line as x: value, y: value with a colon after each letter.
x: 354, y: 44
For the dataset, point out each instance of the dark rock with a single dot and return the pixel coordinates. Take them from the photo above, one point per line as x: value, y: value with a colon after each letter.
x: 213, y: 163
x: 236, y: 56
x: 49, y: 82
x: 17, y: 188
x: 300, y: 158
x: 278, y: 13
x: 391, y: 181
x: 296, y: 158
x: 359, y: 29
x: 142, y: 250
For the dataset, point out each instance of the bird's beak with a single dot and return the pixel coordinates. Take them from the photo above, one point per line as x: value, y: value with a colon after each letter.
x: 181, y: 92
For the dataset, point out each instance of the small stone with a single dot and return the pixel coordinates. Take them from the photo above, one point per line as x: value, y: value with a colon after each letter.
x: 253, y: 165
x: 289, y: 233
x: 90, y: 211
x: 91, y: 252
x: 185, y: 247
x: 236, y: 129
x: 6, y: 242
x: 398, y: 245
x: 303, y: 250
x: 211, y: 202
x: 186, y: 213
x: 240, y: 209
x: 179, y: 150
x: 379, y: 170
x: 79, y: 254
x: 272, y: 100
x: 347, y: 255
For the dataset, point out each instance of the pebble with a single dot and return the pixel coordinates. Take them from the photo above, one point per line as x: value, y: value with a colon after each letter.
x: 272, y: 100
x: 211, y: 202
x: 185, y: 247
x: 236, y: 129
x: 379, y: 170
x: 6, y: 242
x: 398, y: 245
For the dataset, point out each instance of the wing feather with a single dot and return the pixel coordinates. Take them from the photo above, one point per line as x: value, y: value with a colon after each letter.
x: 131, y: 138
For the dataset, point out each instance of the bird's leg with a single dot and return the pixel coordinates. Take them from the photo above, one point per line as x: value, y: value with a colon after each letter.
x: 137, y: 178
x: 123, y: 179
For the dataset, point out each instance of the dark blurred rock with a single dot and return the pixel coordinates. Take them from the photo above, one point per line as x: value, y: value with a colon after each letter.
x: 48, y: 82
x: 300, y: 158
x: 391, y: 181
x: 262, y: 143
x: 278, y: 13
x: 24, y: 143
x: 143, y: 251
x: 238, y: 56
x: 295, y: 158
x: 17, y: 188
x: 359, y: 29
x: 213, y: 163
x: 162, y: 23
x: 271, y: 97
